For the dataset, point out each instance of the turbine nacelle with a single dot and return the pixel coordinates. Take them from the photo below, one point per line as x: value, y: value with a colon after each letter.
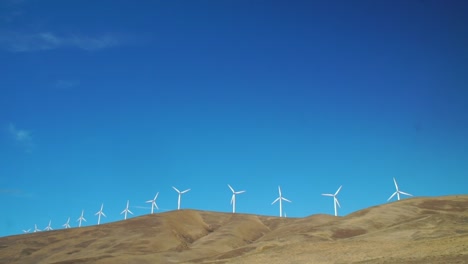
x: 335, y: 200
x: 180, y: 194
x: 280, y: 199
x: 233, y: 198
x: 48, y: 228
x: 153, y: 202
x: 126, y: 210
x: 397, y: 192
x: 81, y: 218
x: 67, y: 224
x: 100, y: 213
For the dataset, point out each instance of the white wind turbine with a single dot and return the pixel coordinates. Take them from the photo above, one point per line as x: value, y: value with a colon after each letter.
x: 67, y: 224
x: 280, y: 199
x: 26, y: 231
x: 180, y: 194
x: 36, y: 229
x: 397, y: 192
x: 126, y: 211
x: 99, y: 213
x: 233, y: 198
x: 81, y: 218
x: 153, y: 202
x: 48, y: 228
x: 335, y: 200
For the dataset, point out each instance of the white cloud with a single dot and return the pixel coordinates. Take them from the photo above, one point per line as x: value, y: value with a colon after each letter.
x: 20, y: 42
x: 21, y: 136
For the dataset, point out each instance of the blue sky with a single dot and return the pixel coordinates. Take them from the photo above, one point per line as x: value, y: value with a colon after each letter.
x: 109, y: 101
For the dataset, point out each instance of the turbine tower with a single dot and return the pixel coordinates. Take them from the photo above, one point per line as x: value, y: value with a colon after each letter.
x: 280, y: 199
x: 36, y: 229
x: 126, y: 211
x: 233, y: 198
x: 81, y: 218
x: 397, y: 192
x: 153, y: 203
x: 180, y: 194
x: 48, y: 228
x: 67, y: 224
x: 335, y: 200
x: 99, y: 213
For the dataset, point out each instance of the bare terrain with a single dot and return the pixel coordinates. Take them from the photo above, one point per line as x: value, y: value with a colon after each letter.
x: 417, y: 230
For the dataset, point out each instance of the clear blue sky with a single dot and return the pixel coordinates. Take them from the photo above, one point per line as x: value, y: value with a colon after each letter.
x: 109, y: 101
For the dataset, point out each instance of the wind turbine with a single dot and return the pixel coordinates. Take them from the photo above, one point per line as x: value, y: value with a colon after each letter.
x: 335, y: 200
x: 180, y: 194
x: 126, y: 211
x: 67, y: 224
x: 233, y: 198
x: 397, y: 192
x: 36, y: 229
x: 48, y: 228
x: 280, y: 199
x: 81, y: 218
x: 99, y: 213
x: 153, y: 202
x: 26, y: 231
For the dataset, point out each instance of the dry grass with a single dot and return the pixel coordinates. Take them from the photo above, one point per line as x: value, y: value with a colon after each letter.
x: 418, y: 230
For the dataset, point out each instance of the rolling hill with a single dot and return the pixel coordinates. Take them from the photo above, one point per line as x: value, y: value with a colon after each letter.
x: 417, y: 230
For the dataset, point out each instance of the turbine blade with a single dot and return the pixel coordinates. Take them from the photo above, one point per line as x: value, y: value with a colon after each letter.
x: 149, y: 201
x: 239, y: 192
x: 185, y: 191
x: 130, y: 212
x: 396, y: 185
x: 275, y: 200
x: 279, y: 190
x: 337, y: 202
x: 156, y: 196
x: 327, y: 194
x: 231, y: 188
x: 103, y: 214
x: 391, y: 196
x: 175, y: 189
x: 284, y: 199
x: 406, y: 193
x: 338, y: 190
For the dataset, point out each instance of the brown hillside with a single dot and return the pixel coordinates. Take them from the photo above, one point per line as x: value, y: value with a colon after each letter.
x: 418, y: 230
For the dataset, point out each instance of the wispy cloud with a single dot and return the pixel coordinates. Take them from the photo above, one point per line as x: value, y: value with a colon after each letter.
x: 21, y: 136
x: 10, y: 191
x: 15, y: 2
x: 66, y: 84
x: 22, y: 42
x: 15, y: 193
x: 141, y: 207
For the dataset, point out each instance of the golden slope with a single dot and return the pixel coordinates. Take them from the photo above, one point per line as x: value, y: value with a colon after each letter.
x: 418, y: 230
